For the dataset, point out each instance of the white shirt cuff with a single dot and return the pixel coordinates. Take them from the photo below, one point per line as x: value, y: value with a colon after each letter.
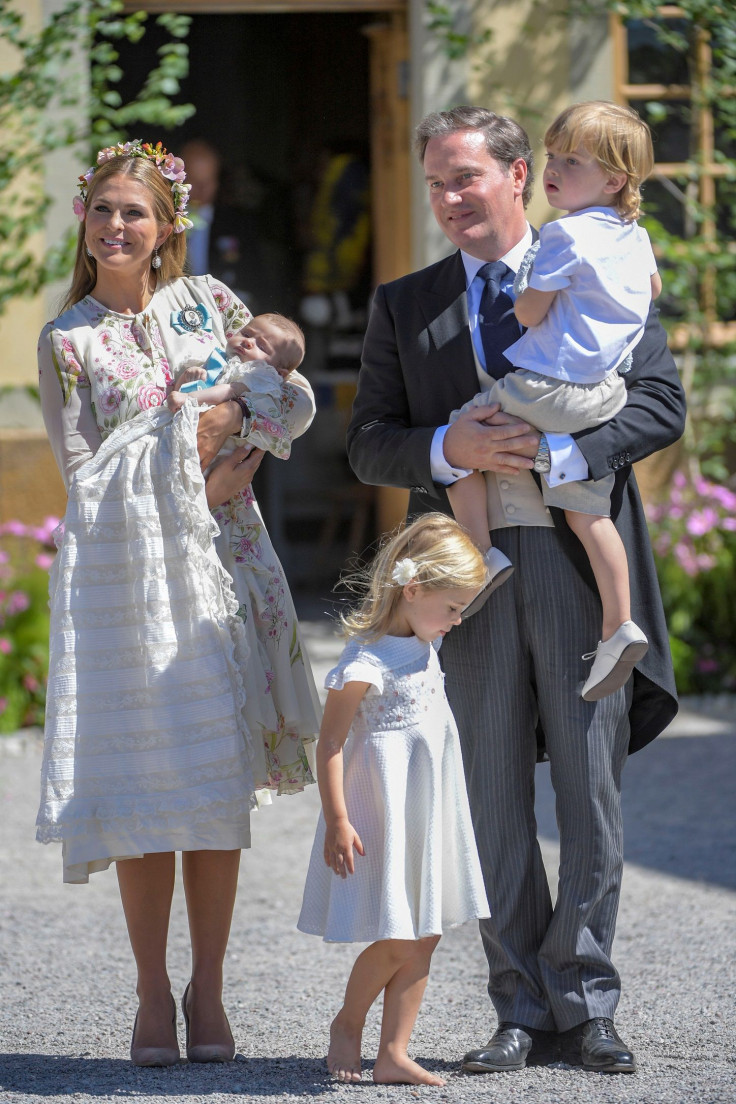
x: 568, y: 463
x: 442, y: 472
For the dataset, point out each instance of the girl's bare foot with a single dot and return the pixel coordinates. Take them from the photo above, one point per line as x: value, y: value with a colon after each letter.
x: 400, y: 1070
x: 343, y: 1057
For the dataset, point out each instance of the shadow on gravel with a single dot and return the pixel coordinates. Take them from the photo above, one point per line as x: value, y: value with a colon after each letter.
x: 677, y: 797
x: 40, y: 1075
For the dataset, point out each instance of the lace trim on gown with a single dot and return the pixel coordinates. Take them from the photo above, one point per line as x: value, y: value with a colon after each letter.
x: 146, y: 745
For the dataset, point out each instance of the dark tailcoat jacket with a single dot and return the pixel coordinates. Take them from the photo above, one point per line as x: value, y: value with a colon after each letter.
x: 418, y: 366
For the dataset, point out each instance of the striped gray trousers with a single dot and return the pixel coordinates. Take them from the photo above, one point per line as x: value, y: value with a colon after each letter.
x: 516, y: 661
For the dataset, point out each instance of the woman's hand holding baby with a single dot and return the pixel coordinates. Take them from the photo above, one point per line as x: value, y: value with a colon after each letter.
x: 215, y: 426
x: 232, y: 474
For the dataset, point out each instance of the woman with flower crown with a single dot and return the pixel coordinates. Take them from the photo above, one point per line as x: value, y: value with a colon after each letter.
x: 177, y: 684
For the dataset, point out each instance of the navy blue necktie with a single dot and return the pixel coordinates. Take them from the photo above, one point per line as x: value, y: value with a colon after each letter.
x: 496, y: 319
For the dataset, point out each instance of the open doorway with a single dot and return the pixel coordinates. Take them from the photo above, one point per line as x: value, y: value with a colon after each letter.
x: 285, y: 100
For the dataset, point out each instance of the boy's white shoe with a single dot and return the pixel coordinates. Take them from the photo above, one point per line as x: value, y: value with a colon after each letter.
x: 499, y: 568
x: 614, y: 661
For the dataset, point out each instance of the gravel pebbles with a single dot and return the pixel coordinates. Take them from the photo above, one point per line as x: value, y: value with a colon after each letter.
x: 67, y: 983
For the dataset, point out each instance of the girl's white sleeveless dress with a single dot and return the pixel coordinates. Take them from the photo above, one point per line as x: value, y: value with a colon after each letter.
x: 406, y: 798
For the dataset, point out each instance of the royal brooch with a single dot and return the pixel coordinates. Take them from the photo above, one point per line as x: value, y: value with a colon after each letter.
x: 191, y: 319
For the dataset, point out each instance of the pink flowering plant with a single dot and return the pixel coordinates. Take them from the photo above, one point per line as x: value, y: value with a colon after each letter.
x: 26, y: 554
x: 694, y: 540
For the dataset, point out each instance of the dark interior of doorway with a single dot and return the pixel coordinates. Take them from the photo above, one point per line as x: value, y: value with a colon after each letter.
x: 273, y: 92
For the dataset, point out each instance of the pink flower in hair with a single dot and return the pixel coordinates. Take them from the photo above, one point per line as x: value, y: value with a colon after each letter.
x: 173, y: 168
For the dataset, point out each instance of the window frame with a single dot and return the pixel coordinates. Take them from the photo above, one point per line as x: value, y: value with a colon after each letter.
x: 702, y: 171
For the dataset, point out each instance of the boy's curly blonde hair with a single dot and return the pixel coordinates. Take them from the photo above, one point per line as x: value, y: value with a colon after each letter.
x: 618, y: 139
x: 443, y: 557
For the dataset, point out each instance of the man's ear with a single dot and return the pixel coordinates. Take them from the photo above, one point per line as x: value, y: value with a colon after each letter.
x: 519, y: 171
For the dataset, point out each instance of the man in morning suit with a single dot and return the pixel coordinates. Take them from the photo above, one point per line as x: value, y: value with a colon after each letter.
x: 514, y: 669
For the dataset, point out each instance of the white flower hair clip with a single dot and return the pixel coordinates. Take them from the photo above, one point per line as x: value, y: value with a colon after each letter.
x: 404, y: 571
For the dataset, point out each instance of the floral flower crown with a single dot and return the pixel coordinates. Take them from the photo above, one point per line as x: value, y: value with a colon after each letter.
x: 170, y: 167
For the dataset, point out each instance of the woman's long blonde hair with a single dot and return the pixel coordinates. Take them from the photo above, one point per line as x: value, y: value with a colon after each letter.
x: 172, y: 252
x: 443, y: 557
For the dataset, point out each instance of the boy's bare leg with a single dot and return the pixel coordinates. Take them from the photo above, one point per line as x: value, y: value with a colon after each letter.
x: 470, y: 506
x: 607, y: 555
x: 372, y: 971
x: 622, y: 642
x: 401, y: 1002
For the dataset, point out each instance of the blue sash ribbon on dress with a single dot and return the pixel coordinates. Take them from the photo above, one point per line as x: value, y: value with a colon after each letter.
x: 213, y: 366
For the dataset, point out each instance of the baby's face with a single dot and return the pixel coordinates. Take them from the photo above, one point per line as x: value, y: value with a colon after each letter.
x: 261, y: 340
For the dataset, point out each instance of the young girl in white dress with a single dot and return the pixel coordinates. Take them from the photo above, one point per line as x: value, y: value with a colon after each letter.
x: 394, y: 859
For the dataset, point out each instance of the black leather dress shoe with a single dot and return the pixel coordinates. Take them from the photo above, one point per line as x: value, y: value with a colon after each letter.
x: 600, y: 1047
x: 508, y: 1049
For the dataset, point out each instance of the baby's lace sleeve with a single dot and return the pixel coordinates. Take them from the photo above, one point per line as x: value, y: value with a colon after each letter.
x: 279, y: 418
x: 271, y: 427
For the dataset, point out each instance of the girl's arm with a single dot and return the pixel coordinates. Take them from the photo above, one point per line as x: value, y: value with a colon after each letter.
x: 532, y: 305
x: 656, y: 280
x: 340, y: 836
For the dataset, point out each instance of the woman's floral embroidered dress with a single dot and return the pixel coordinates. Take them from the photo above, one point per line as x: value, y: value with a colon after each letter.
x: 103, y: 377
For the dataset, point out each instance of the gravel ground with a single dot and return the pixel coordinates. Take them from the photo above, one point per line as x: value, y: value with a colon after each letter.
x: 67, y: 983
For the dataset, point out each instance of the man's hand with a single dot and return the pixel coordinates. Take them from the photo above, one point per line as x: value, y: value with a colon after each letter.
x: 486, y: 439
x: 215, y: 426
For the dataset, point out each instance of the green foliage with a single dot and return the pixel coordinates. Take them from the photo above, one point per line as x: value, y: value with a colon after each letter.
x: 45, y: 105
x: 441, y: 20
x: 25, y: 557
x: 694, y: 540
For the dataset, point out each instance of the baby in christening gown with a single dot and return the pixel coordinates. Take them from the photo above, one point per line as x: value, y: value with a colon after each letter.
x: 281, y: 701
x: 251, y: 371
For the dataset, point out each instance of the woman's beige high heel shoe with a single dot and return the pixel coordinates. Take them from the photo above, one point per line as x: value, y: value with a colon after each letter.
x: 154, y: 1056
x: 207, y: 1052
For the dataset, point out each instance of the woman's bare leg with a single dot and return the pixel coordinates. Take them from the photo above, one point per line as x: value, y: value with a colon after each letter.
x: 401, y: 1003
x: 210, y: 885
x: 146, y: 888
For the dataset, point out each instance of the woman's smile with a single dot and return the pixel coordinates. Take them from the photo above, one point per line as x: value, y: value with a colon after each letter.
x: 121, y: 226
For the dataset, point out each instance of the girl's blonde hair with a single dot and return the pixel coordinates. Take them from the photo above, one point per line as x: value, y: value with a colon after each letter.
x: 443, y: 556
x: 172, y: 252
x: 618, y: 139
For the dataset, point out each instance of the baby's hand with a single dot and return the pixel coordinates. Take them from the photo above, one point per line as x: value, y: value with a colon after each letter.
x: 339, y: 843
x: 175, y: 401
x: 187, y: 376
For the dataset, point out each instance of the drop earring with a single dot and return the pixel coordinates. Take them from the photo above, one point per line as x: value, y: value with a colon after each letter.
x: 155, y: 259
x: 89, y: 251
